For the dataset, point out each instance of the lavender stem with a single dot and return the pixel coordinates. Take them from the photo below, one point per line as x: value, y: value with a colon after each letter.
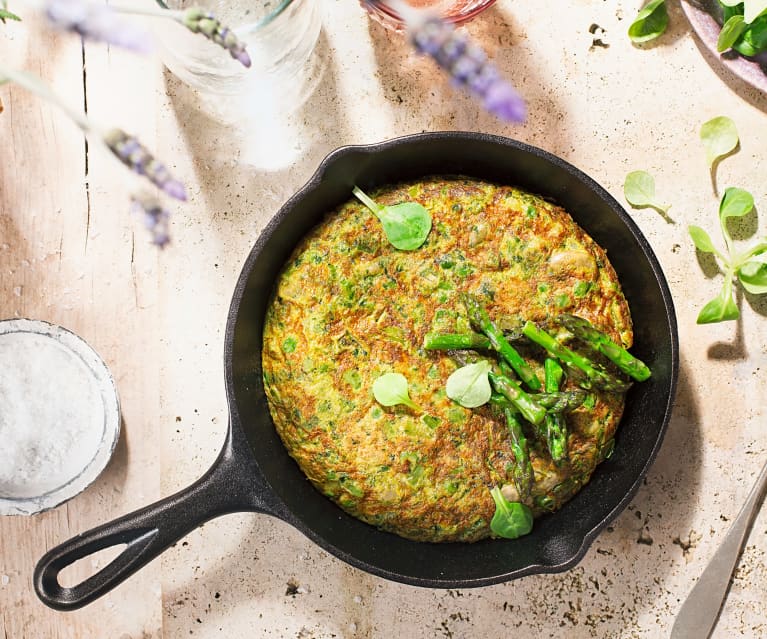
x: 33, y: 84
x: 466, y: 63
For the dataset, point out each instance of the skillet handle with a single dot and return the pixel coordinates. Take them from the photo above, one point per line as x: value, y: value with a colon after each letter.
x: 232, y: 484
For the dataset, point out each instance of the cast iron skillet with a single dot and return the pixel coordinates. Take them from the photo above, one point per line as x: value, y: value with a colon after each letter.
x: 253, y: 471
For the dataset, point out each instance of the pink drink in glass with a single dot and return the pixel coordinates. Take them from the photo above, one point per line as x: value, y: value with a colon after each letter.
x: 455, y: 11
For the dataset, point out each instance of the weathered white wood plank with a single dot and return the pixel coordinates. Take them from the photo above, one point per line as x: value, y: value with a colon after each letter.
x: 68, y: 255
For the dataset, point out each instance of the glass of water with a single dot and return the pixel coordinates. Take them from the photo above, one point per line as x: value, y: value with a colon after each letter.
x: 280, y: 36
x: 455, y: 11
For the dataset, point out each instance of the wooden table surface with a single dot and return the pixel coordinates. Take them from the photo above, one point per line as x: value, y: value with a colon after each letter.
x: 71, y: 254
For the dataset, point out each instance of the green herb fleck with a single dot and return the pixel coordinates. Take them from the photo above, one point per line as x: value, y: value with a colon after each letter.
x: 451, y: 487
x: 389, y: 284
x: 289, y: 345
x: 433, y: 372
x: 351, y: 487
x: 581, y: 288
x: 464, y: 270
x: 352, y: 377
x: 607, y: 449
x: 544, y: 502
x: 430, y: 421
x: 415, y: 468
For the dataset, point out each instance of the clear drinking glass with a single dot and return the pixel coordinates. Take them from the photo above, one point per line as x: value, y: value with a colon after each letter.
x: 280, y: 36
x: 455, y: 11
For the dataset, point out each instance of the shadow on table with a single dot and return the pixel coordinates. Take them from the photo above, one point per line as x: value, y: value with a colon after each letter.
x: 419, y: 92
x: 114, y: 475
x: 274, y: 578
x: 669, y: 494
x: 256, y: 141
x: 743, y: 89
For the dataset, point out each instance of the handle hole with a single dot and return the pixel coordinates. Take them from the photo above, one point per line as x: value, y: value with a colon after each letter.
x: 78, y: 571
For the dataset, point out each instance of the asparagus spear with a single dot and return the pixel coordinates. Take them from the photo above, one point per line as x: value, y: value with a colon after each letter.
x: 459, y: 341
x: 560, y: 402
x: 522, y: 471
x: 463, y: 357
x: 453, y: 341
x: 584, y: 330
x: 531, y: 410
x: 481, y: 320
x: 572, y: 360
x: 499, y: 401
x: 554, y: 402
x: 556, y: 425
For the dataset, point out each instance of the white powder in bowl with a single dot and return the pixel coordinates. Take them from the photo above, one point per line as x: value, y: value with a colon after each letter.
x: 55, y: 411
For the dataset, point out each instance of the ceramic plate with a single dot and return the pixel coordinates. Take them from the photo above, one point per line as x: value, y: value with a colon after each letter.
x: 702, y: 15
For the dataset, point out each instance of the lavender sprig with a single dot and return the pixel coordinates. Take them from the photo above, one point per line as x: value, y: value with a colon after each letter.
x: 468, y: 67
x: 103, y: 23
x: 199, y: 20
x: 126, y: 147
x: 155, y: 216
x: 466, y: 63
x: 137, y: 157
x: 97, y: 22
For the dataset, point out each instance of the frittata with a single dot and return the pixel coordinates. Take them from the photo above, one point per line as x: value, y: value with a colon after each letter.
x: 349, y: 307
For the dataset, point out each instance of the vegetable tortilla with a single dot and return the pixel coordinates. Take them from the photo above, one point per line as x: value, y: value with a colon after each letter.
x: 349, y: 307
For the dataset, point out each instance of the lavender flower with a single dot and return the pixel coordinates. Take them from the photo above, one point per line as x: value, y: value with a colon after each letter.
x: 468, y: 66
x: 136, y: 156
x: 96, y: 22
x: 155, y: 217
x: 201, y: 21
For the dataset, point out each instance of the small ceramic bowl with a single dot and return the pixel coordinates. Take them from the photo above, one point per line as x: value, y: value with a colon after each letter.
x: 59, y: 416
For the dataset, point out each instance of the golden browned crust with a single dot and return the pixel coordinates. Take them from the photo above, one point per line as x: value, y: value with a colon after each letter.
x: 348, y: 307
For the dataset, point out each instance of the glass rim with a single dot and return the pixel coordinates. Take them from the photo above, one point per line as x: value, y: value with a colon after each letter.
x: 456, y: 19
x: 267, y: 19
